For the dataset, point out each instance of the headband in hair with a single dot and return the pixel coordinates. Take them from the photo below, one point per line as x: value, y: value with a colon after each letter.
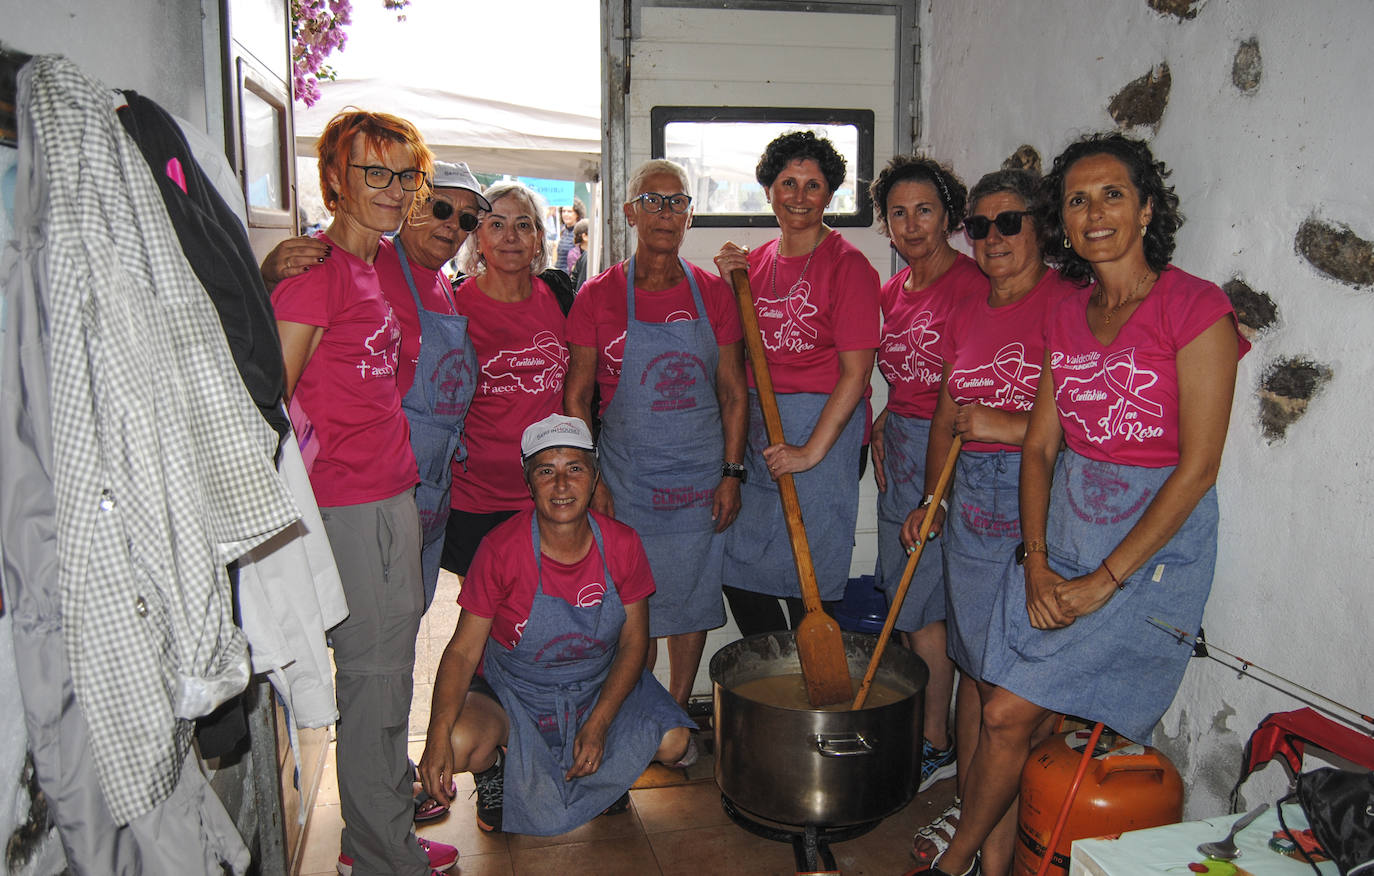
x: 944, y: 192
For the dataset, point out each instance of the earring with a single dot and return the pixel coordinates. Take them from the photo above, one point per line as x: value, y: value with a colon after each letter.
x: 1142, y: 230
x: 1067, y: 245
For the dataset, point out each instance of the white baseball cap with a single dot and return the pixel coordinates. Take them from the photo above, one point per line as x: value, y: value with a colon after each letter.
x: 457, y: 176
x: 555, y: 430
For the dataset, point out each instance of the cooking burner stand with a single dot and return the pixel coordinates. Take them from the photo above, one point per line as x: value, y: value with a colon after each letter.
x: 810, y: 844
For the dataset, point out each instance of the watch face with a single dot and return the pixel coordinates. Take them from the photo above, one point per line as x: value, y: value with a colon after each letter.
x: 1021, y: 554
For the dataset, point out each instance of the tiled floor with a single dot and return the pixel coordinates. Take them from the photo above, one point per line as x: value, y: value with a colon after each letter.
x: 675, y: 824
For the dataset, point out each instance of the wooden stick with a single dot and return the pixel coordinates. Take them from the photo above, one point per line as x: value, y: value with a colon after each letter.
x: 820, y: 644
x: 941, y: 487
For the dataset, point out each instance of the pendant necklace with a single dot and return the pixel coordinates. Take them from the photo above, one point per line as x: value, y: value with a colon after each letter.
x: 777, y: 253
x: 1107, y: 319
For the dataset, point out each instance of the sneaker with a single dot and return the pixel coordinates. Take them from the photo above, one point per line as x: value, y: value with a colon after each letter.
x: 621, y: 804
x: 441, y: 855
x: 936, y: 764
x: 490, y: 791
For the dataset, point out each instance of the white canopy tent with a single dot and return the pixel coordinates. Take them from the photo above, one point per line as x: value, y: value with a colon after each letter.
x: 492, y: 136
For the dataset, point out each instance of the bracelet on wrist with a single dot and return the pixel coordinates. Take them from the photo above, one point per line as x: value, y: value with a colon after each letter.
x: 1115, y: 580
x: 925, y: 503
x: 1026, y: 548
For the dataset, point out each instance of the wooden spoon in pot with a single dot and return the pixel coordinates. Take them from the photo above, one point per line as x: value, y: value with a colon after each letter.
x: 820, y: 646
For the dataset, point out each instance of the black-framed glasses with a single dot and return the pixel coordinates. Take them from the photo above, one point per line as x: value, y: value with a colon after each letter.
x: 378, y: 177
x: 443, y: 211
x: 653, y: 202
x: 1008, y: 224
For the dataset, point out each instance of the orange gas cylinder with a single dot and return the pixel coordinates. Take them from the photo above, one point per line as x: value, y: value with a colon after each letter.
x: 1126, y: 787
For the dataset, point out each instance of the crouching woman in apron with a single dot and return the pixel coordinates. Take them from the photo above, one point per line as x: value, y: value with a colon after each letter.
x: 672, y: 431
x: 564, y: 717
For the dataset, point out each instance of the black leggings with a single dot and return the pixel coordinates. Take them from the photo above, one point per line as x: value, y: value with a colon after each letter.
x: 760, y: 613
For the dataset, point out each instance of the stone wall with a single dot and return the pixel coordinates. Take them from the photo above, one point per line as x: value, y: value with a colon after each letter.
x: 1259, y: 108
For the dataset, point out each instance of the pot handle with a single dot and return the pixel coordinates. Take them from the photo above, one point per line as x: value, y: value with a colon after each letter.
x: 842, y: 745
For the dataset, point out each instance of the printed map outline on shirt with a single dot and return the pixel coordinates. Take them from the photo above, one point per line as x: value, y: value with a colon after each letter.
x: 1122, y: 382
x: 1013, y: 377
x: 919, y: 342
x: 791, y: 314
x: 537, y: 368
x: 389, y: 351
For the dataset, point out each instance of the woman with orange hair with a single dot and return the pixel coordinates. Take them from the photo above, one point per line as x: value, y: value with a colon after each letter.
x: 340, y: 342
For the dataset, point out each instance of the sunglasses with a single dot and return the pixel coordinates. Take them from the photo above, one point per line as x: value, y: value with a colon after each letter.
x: 443, y: 211
x: 653, y: 202
x: 1008, y: 224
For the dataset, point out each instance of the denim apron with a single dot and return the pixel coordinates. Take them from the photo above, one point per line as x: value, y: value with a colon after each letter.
x: 661, y: 452
x: 547, y: 684
x: 758, y: 552
x: 1113, y: 665
x: 436, y: 404
x: 981, y: 533
x: 904, y: 440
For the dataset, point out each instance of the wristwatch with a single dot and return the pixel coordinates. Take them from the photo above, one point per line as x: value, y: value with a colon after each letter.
x: 1036, y: 546
x: 735, y: 470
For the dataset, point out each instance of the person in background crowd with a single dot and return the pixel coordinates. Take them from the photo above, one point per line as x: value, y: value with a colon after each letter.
x: 919, y: 203
x: 816, y: 296
x: 566, y: 235
x: 672, y: 433
x: 518, y: 328
x: 579, y: 248
x: 583, y: 235
x: 562, y: 717
x: 991, y: 351
x: 340, y: 345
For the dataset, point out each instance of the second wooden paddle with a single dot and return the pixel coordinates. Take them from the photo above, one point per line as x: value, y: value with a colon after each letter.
x: 820, y: 646
x: 923, y: 536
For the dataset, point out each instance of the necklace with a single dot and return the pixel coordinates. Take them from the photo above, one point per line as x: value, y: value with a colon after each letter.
x: 1107, y: 320
x: 773, y: 276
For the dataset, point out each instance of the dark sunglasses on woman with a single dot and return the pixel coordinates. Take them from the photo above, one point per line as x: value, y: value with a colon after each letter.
x: 1008, y: 224
x: 442, y: 210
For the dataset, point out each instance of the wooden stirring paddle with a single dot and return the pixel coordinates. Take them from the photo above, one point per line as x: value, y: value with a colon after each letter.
x: 820, y: 646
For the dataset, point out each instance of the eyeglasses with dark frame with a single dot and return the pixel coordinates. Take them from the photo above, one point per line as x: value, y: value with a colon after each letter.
x: 378, y: 177
x: 443, y: 211
x: 1008, y: 224
x: 653, y: 202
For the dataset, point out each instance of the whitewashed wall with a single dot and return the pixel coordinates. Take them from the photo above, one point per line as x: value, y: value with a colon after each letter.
x: 1292, y: 590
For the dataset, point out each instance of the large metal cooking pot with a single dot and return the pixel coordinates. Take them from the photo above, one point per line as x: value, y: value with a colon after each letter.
x: 813, y: 767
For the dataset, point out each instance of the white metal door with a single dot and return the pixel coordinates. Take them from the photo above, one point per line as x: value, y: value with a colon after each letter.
x: 861, y: 55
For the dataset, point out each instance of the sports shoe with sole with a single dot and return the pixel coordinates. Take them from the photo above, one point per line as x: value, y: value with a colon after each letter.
x: 936, y: 764
x: 441, y: 857
x: 490, y: 791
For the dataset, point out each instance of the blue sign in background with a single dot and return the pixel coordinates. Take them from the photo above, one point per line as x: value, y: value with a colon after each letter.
x: 555, y: 192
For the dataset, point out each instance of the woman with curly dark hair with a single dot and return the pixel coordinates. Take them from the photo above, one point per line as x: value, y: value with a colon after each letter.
x: 816, y: 297
x: 1140, y: 368
x: 919, y: 204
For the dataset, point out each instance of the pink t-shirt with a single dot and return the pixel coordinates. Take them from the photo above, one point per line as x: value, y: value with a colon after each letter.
x: 501, y: 583
x: 599, y: 314
x: 913, y: 329
x: 995, y: 353
x: 522, y: 357
x: 435, y: 293
x: 1119, y: 403
x: 348, y: 387
x: 833, y: 309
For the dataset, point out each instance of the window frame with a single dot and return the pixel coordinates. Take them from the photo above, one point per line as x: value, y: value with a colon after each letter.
x: 861, y: 119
